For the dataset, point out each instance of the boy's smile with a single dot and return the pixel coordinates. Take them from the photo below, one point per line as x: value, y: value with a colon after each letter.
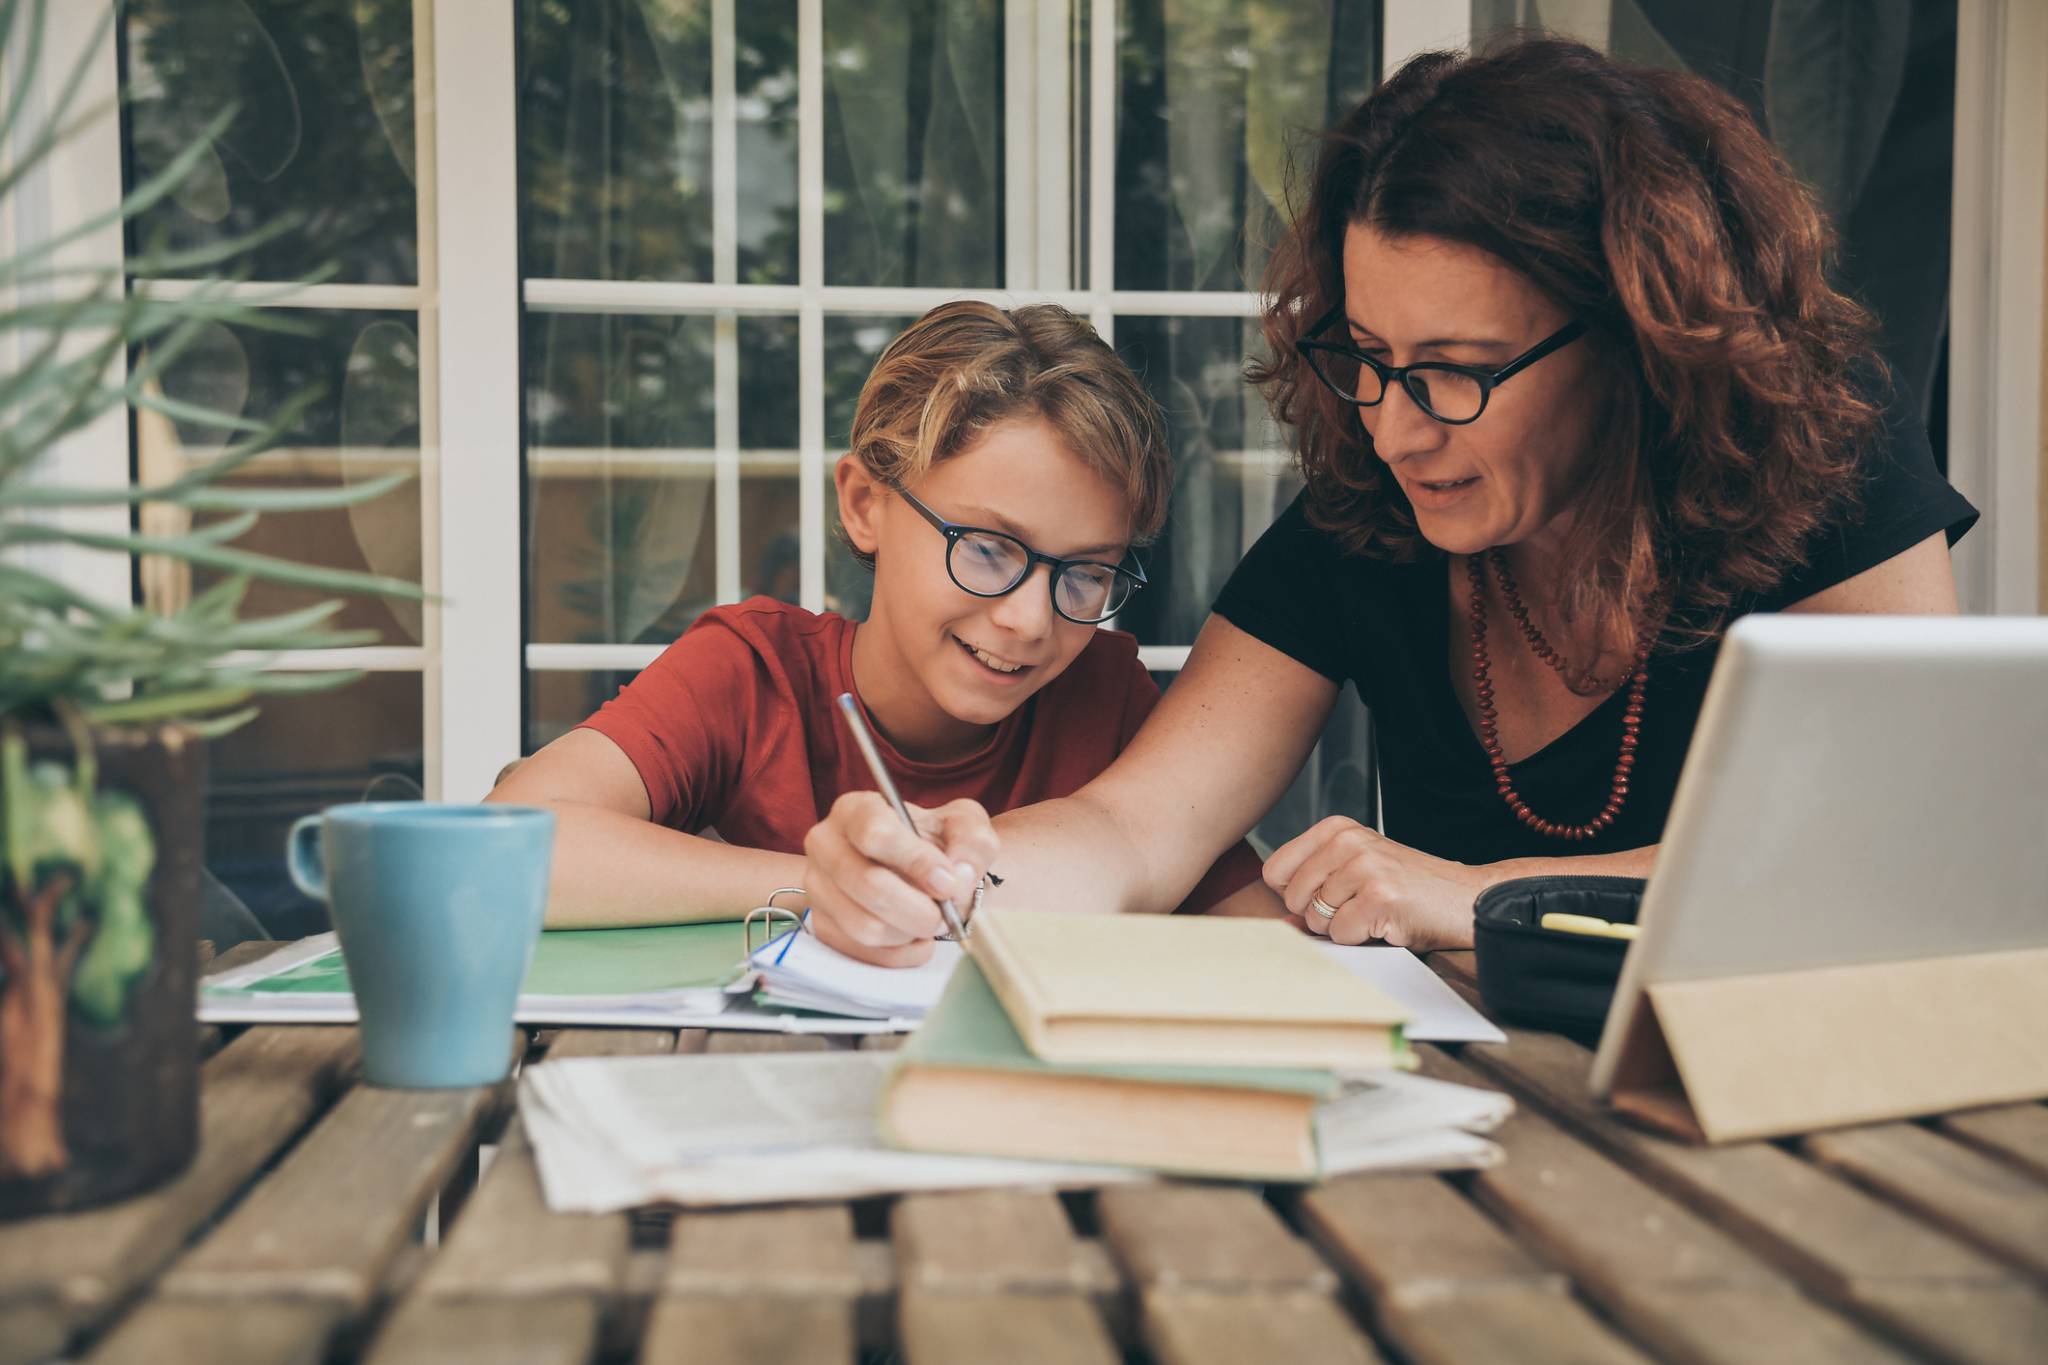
x: 937, y: 666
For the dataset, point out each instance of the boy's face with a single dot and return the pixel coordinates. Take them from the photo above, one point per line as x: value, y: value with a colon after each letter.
x: 978, y: 658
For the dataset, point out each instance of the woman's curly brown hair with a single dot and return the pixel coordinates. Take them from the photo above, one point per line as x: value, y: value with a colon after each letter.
x: 1649, y: 204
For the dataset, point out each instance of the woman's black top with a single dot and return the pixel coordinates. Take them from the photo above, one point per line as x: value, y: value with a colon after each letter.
x: 1384, y: 628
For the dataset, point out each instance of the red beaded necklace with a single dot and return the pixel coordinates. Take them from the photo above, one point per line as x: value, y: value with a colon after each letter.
x: 1489, y: 718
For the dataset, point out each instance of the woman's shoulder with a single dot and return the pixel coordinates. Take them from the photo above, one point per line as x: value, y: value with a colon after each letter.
x: 1301, y: 591
x: 1898, y: 498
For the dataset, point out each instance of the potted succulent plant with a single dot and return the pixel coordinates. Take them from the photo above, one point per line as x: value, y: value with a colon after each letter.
x: 105, y: 706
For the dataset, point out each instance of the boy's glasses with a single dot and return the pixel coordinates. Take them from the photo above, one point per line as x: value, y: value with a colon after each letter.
x: 992, y: 564
x: 1453, y: 394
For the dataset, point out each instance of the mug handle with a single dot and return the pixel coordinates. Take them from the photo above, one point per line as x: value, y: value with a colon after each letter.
x: 304, y: 859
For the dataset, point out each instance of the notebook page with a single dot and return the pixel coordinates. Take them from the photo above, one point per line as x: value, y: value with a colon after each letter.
x: 814, y: 976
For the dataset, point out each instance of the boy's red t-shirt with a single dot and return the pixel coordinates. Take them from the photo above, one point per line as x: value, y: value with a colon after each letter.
x: 734, y: 729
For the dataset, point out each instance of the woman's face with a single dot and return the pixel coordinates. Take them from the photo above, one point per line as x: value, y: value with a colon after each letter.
x: 1510, y: 476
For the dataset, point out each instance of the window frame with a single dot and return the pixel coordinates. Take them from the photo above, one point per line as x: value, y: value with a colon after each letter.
x: 470, y: 303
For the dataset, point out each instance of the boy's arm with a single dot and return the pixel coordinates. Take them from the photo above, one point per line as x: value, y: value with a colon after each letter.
x: 612, y: 865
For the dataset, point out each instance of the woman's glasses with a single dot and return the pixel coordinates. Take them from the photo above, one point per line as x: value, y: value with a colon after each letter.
x: 1453, y: 394
x: 992, y: 564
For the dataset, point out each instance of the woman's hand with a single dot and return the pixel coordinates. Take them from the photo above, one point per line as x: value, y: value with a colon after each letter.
x: 873, y: 885
x: 1379, y: 889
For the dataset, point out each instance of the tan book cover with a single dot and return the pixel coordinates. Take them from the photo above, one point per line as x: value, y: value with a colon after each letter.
x: 1182, y: 990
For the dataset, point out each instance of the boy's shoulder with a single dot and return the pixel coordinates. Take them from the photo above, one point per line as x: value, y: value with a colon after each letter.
x: 762, y: 636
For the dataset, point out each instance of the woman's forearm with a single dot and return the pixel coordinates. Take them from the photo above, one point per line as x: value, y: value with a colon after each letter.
x: 1077, y: 853
x: 612, y: 870
x: 1634, y: 862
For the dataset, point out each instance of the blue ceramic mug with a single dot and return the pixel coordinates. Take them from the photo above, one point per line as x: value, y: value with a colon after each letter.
x: 438, y: 908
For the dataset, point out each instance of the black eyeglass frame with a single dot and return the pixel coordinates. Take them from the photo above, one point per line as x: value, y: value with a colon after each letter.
x: 954, y: 531
x: 1390, y: 375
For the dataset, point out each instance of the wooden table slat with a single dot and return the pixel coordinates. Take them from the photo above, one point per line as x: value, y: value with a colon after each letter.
x: 2014, y: 1133
x: 730, y: 1331
x: 728, y: 1043
x: 1193, y: 1327
x: 1846, y: 1246
x: 987, y: 1242
x: 537, y: 1331
x: 1680, y: 1285
x: 1444, y: 1281
x: 1186, y: 1236
x: 2000, y: 1210
x: 1507, y: 1324
x: 250, y: 1334
x: 326, y: 1223
x: 1016, y: 1329
x: 612, y: 1042
x: 1414, y: 1238
x: 804, y: 1252
x: 508, y: 1244
x: 61, y: 1274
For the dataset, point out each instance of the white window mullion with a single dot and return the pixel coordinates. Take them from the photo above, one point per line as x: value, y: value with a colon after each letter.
x: 1022, y: 98
x: 810, y: 199
x: 1408, y: 27
x: 1101, y: 274
x: 725, y: 271
x: 476, y: 654
x: 426, y: 306
x: 82, y: 180
x: 1053, y: 181
x: 1998, y: 219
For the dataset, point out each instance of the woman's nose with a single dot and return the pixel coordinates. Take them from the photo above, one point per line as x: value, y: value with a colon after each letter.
x: 1400, y: 428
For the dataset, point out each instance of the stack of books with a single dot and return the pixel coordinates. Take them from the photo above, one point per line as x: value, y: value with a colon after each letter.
x: 1213, y: 1047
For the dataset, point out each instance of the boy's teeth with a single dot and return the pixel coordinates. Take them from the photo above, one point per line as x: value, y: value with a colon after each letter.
x: 991, y: 660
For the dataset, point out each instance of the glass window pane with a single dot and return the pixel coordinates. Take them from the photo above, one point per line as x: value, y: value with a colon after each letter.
x: 913, y: 143
x: 616, y: 130
x: 558, y: 701
x: 364, y: 426
x: 1231, y: 475
x: 1213, y: 96
x: 853, y: 343
x: 325, y: 96
x: 622, y: 525
x: 301, y: 754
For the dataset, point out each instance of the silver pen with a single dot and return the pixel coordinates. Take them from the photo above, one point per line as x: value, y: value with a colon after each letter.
x: 865, y: 738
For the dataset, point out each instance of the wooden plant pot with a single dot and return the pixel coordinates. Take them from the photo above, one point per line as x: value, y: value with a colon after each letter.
x: 99, y: 1046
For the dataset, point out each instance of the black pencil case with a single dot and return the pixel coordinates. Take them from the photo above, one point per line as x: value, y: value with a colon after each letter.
x: 1544, y: 978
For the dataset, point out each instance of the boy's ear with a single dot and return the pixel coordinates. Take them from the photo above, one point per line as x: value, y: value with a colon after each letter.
x: 860, y: 502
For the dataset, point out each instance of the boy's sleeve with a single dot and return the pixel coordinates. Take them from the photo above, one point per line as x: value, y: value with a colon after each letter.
x: 1240, y: 864
x: 682, y: 722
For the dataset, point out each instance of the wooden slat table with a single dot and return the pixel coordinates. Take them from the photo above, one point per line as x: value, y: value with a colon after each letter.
x: 300, y: 1235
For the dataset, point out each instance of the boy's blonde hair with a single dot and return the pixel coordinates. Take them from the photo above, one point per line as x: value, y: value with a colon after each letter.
x: 964, y: 367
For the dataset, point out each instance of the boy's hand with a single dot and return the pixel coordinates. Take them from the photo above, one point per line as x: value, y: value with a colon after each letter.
x: 872, y: 884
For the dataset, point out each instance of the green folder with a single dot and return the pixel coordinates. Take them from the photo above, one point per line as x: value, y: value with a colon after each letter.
x: 583, y: 962
x: 969, y: 1028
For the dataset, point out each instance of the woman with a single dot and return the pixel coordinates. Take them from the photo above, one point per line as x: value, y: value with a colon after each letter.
x: 1570, y: 393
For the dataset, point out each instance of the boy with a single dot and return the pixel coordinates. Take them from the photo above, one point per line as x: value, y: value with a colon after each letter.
x: 1002, y: 465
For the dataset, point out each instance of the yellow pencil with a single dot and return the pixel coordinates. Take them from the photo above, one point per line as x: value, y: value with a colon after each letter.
x: 1587, y: 925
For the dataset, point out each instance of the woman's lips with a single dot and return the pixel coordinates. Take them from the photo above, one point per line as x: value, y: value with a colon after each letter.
x: 1440, y: 493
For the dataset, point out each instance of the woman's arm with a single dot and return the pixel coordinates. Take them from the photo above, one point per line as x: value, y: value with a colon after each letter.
x: 1389, y: 891
x: 1221, y: 747
x: 612, y: 865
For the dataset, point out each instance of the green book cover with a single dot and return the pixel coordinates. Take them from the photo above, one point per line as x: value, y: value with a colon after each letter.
x: 969, y: 1028
x: 634, y: 961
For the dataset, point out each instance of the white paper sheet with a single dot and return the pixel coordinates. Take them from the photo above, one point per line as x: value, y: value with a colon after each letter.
x: 1437, y: 1014
x: 703, y: 1131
